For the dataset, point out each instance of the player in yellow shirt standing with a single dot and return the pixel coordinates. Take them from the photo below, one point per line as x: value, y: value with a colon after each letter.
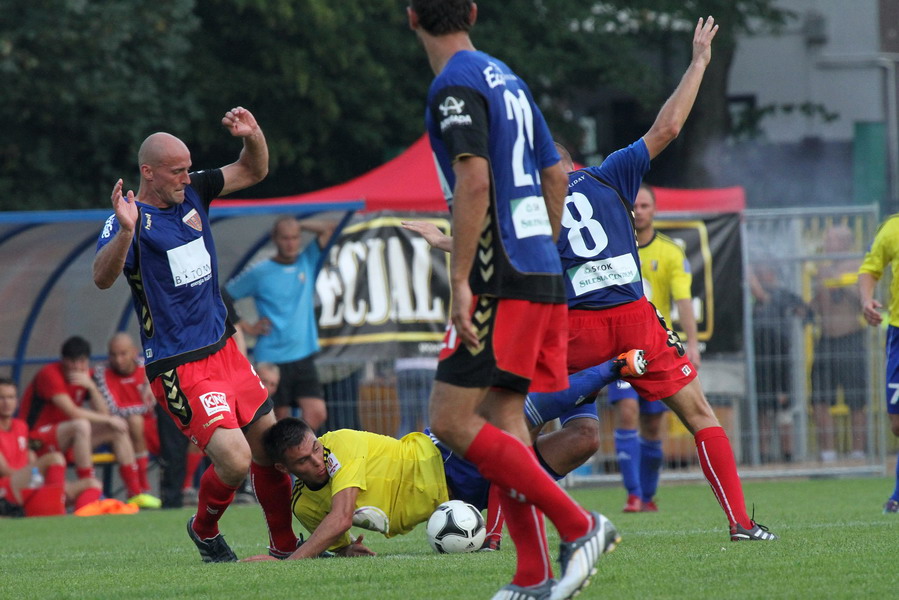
x: 884, y: 251
x: 638, y: 423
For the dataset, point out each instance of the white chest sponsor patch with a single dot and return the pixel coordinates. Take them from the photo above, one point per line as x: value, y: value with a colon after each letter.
x: 214, y: 403
x: 530, y: 217
x: 190, y: 263
x: 599, y: 274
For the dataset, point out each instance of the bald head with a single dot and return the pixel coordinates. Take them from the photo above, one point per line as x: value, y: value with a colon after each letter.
x: 158, y: 147
x: 164, y: 163
x: 838, y: 238
x: 122, y: 354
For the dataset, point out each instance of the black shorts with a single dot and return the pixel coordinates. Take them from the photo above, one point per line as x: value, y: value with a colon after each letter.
x: 299, y: 379
x: 840, y: 362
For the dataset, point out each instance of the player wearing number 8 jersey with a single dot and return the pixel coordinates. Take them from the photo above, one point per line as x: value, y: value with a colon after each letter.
x: 502, y: 179
x: 608, y: 313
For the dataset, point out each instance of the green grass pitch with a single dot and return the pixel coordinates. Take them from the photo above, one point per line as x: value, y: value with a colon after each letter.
x: 835, y: 543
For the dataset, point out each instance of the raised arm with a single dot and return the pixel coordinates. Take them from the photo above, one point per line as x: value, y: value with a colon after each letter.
x: 252, y: 165
x: 110, y: 260
x: 674, y: 112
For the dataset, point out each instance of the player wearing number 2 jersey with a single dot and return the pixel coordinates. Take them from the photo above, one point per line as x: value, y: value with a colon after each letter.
x: 608, y: 312
x: 502, y: 179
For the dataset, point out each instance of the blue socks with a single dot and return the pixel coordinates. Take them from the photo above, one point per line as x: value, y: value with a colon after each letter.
x: 627, y: 450
x: 650, y: 464
x: 895, y: 495
x: 543, y: 407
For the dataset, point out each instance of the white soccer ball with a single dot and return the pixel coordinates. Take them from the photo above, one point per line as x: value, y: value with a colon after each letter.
x: 456, y: 526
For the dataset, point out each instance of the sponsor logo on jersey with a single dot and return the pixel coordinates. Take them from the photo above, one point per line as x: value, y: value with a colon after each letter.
x: 107, y: 227
x: 149, y: 222
x: 332, y: 464
x: 215, y: 402
x: 494, y: 75
x: 190, y: 263
x: 192, y: 220
x: 451, y: 106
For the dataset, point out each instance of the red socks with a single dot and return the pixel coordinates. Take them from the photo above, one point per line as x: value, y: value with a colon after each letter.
x: 506, y: 462
x: 130, y: 479
x: 272, y: 488
x: 718, y: 465
x: 142, y: 464
x: 55, y: 475
x: 84, y: 472
x: 193, y: 461
x: 87, y: 496
x: 526, y: 528
x: 215, y: 497
x: 495, y: 518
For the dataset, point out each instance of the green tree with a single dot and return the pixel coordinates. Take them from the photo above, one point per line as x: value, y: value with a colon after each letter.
x: 84, y: 81
x: 338, y: 87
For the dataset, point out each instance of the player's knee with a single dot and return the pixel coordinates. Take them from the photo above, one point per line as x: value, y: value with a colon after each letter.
x: 81, y: 427
x: 584, y: 436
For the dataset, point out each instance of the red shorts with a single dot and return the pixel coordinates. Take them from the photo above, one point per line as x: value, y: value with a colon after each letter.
x: 45, y: 439
x: 221, y: 390
x: 523, y: 347
x: 596, y: 336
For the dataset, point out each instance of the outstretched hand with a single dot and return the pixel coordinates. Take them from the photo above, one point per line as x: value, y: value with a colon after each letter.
x: 240, y: 122
x: 124, y: 207
x: 702, y: 40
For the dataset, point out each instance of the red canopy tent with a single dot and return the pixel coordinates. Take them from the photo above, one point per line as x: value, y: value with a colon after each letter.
x: 406, y: 183
x: 409, y: 182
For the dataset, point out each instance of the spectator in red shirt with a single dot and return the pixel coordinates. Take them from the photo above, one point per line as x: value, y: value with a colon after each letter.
x: 19, y: 494
x: 59, y: 394
x: 124, y: 386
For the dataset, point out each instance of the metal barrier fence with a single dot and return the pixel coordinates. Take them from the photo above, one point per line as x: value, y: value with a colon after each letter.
x: 805, y: 396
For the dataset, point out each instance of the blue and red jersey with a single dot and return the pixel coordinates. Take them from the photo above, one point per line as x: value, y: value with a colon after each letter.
x: 478, y: 107
x: 172, y: 270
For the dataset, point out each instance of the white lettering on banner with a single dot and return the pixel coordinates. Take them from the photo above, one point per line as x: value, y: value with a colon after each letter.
x: 599, y: 274
x: 391, y: 294
x: 530, y: 218
x: 190, y: 262
x: 215, y: 402
x: 376, y: 273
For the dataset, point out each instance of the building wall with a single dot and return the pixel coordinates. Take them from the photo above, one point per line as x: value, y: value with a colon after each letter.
x: 824, y: 61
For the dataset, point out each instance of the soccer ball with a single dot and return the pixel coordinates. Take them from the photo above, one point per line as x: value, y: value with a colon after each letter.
x: 456, y: 526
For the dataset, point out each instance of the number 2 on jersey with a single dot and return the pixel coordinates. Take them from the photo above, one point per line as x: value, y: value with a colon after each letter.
x: 518, y: 109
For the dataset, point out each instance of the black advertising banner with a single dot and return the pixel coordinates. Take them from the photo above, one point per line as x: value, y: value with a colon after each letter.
x: 712, y: 245
x: 383, y: 292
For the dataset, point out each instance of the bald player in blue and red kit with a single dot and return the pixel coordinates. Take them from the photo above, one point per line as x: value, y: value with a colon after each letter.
x: 502, y: 179
x: 608, y: 312
x: 161, y: 239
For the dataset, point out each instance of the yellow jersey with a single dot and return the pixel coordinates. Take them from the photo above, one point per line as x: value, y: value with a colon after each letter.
x: 400, y: 482
x: 666, y: 273
x: 884, y: 250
